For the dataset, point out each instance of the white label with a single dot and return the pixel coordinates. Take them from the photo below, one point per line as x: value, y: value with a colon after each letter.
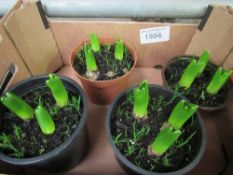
x: 155, y: 35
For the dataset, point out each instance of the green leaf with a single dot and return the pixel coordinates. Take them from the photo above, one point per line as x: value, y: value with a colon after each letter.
x: 141, y: 100
x: 44, y: 120
x: 189, y: 75
x: 90, y: 59
x: 181, y: 113
x: 17, y: 105
x: 119, y: 50
x: 164, y: 140
x: 58, y: 90
x: 203, y: 60
x: 5, y: 143
x: 195, y: 68
x: 95, y: 43
x: 218, y: 80
x: 187, y: 140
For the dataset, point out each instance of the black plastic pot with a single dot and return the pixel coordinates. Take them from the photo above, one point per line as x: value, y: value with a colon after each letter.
x: 204, y: 108
x: 68, y: 154
x: 133, y: 169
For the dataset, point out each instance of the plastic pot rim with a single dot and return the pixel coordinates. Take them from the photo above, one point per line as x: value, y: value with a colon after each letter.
x: 204, y: 108
x: 133, y: 167
x: 63, y: 146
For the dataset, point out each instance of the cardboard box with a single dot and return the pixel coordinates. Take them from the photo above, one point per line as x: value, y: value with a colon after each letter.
x: 9, y: 54
x: 100, y: 158
x: 26, y: 31
x: 75, y: 31
x: 215, y: 33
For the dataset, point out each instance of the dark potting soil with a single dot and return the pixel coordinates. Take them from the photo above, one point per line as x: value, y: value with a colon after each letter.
x: 197, y: 92
x: 108, y: 67
x: 132, y: 137
x: 25, y: 137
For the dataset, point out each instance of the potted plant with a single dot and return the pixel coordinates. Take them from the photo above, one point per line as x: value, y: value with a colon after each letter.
x: 201, y: 81
x: 153, y: 130
x: 43, y: 124
x: 103, y: 65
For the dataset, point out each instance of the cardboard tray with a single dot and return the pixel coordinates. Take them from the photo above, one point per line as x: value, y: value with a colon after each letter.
x: 100, y: 159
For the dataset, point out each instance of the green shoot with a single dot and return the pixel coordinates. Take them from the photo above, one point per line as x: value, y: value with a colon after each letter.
x: 80, y: 56
x: 41, y: 150
x: 119, y: 50
x: 158, y: 103
x: 203, y: 60
x: 218, y: 80
x: 177, y: 93
x: 76, y: 103
x: 53, y: 110
x: 181, y: 113
x: 130, y: 149
x: 58, y: 90
x: 139, y: 134
x: 95, y: 43
x: 183, y: 143
x: 195, y: 68
x: 44, y: 120
x: 190, y: 73
x: 90, y: 59
x: 137, y: 163
x: 166, y: 161
x: 17, y: 132
x: 17, y: 105
x: 141, y: 100
x: 5, y: 143
x: 164, y: 140
x: 118, y: 140
x: 141, y: 152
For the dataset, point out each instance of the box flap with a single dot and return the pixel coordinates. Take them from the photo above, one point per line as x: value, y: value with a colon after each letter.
x: 30, y: 32
x: 215, y: 35
x: 9, y: 54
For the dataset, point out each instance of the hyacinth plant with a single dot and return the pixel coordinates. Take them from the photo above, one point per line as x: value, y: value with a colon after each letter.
x: 58, y: 90
x: 103, y: 58
x: 141, y: 100
x: 194, y: 69
x: 167, y: 136
x: 218, y: 80
x: 24, y: 111
x: 95, y: 43
x: 119, y: 50
x: 44, y: 120
x: 90, y: 59
x: 164, y: 140
x: 181, y: 113
x: 171, y: 130
x: 94, y: 46
x: 17, y: 106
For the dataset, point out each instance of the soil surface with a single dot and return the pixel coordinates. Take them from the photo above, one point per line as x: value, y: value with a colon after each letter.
x: 197, y: 92
x: 108, y: 67
x: 132, y: 137
x: 26, y: 138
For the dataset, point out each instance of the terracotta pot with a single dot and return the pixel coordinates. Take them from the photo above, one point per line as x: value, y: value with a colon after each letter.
x: 203, y: 108
x: 103, y: 91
